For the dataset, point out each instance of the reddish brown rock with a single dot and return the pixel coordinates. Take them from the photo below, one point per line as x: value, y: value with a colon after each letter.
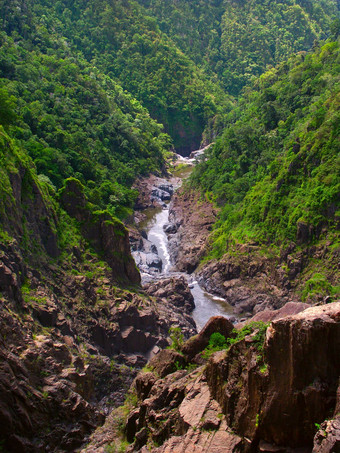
x: 166, y: 362
x: 107, y: 234
x: 199, y: 342
x: 174, y: 290
x: 303, y: 356
x: 281, y: 403
x: 289, y: 309
x: 193, y: 217
x: 327, y: 439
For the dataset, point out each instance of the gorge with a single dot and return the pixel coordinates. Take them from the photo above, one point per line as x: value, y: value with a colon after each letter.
x: 148, y: 305
x: 155, y: 260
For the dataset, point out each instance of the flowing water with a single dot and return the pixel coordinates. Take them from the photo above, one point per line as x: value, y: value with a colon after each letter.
x: 206, y: 304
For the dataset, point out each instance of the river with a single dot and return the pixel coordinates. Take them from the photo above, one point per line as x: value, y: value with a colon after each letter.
x: 206, y: 305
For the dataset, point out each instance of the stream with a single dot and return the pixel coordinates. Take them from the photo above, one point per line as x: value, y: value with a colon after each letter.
x: 206, y: 305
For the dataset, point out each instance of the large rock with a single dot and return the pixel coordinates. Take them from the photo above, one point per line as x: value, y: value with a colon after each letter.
x: 289, y: 309
x: 147, y: 262
x: 193, y: 219
x: 248, y: 281
x: 152, y: 192
x: 106, y: 234
x: 178, y: 412
x: 281, y: 401
x: 166, y: 362
x: 174, y: 290
x: 199, y: 342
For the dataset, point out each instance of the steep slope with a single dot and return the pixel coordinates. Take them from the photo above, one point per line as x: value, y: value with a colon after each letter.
x: 74, y: 324
x: 236, y: 40
x: 121, y: 41
x: 274, y: 173
x: 263, y: 388
x: 75, y: 121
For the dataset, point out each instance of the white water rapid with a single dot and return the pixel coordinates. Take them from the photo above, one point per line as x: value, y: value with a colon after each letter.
x: 206, y: 304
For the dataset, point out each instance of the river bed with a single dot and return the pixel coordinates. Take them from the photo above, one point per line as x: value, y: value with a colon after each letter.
x: 206, y: 305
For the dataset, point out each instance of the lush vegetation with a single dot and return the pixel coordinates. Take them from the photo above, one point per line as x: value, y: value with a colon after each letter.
x: 218, y: 342
x: 119, y: 40
x: 236, y: 40
x: 65, y: 68
x: 75, y: 121
x: 275, y: 170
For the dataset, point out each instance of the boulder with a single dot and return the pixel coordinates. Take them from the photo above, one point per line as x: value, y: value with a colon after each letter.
x: 289, y: 309
x: 175, y: 290
x: 166, y: 362
x: 147, y: 261
x: 198, y: 343
x: 158, y: 194
x: 170, y: 228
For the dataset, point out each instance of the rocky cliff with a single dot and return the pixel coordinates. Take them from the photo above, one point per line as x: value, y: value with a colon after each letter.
x: 75, y: 326
x: 261, y: 394
x: 251, y: 277
x: 191, y: 219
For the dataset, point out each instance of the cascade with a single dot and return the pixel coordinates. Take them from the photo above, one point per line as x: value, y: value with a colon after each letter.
x: 206, y: 305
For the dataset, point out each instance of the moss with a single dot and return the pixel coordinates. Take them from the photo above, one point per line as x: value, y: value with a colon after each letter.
x: 318, y: 286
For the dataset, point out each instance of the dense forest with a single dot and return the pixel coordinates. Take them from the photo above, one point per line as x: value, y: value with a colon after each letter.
x: 276, y: 164
x: 235, y: 41
x: 96, y: 99
x: 103, y: 91
x: 119, y: 40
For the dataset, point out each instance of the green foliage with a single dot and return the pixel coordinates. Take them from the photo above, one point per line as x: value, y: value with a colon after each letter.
x: 257, y: 327
x: 7, y: 107
x: 176, y: 337
x: 217, y: 342
x: 117, y: 447
x: 120, y: 40
x: 75, y: 121
x: 274, y: 171
x: 236, y: 41
x: 318, y: 286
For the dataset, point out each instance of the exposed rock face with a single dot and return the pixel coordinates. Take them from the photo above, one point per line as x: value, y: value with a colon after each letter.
x: 240, y: 403
x: 144, y: 252
x: 174, y: 290
x: 152, y: 192
x: 192, y: 219
x: 327, y: 439
x: 253, y: 282
x: 290, y: 309
x: 106, y: 234
x: 185, y: 409
x: 199, y: 342
x: 248, y: 281
x: 70, y: 346
x: 28, y: 205
x: 298, y: 389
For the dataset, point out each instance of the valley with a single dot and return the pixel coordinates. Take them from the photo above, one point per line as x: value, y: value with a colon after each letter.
x: 169, y: 226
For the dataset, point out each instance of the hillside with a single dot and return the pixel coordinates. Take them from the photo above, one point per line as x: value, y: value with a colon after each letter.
x: 237, y: 40
x: 119, y: 40
x: 75, y: 325
x: 274, y: 172
x: 95, y: 97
